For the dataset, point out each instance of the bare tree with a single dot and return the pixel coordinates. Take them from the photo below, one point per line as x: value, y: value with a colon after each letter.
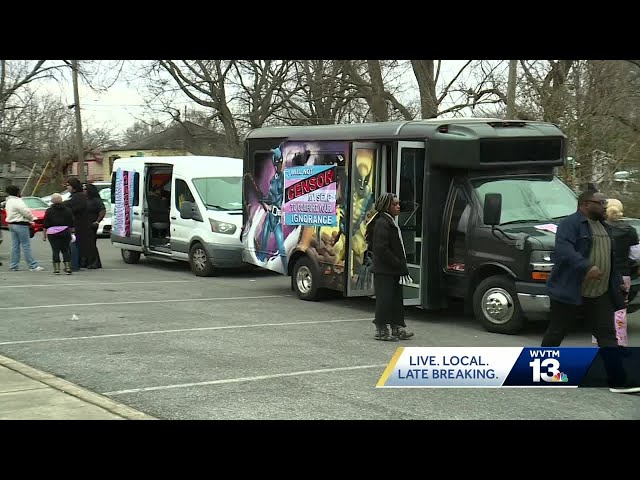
x: 264, y: 88
x: 370, y: 80
x: 142, y: 129
x: 204, y: 82
x: 321, y: 96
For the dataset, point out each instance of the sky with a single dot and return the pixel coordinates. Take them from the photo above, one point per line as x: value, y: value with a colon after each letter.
x: 122, y: 104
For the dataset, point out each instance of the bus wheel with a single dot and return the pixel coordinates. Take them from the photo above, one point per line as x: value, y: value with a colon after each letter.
x: 130, y: 256
x: 305, y: 279
x: 496, y: 306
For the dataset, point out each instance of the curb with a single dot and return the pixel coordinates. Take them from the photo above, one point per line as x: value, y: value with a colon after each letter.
x: 101, y: 401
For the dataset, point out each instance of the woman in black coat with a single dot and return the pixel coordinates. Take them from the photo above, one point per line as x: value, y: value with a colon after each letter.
x: 95, y: 212
x: 389, y: 269
x: 78, y: 205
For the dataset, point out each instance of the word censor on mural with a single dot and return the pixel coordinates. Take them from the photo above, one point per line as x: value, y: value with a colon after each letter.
x: 310, y: 196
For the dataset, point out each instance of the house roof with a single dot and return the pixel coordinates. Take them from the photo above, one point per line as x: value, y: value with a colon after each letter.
x: 185, y: 135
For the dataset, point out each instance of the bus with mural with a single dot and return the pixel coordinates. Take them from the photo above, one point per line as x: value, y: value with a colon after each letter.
x: 480, y: 203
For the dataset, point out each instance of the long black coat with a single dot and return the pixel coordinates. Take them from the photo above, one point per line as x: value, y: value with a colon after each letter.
x: 388, y: 255
x: 78, y: 205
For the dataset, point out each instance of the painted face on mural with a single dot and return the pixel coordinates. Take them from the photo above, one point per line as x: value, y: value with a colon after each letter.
x: 278, y: 160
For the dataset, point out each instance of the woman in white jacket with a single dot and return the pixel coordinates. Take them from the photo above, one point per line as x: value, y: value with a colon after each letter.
x: 18, y: 218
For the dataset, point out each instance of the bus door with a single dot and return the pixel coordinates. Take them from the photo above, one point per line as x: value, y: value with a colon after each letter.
x: 363, y: 191
x: 410, y: 157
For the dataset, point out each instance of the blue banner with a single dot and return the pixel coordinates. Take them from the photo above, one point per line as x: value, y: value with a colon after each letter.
x: 518, y: 367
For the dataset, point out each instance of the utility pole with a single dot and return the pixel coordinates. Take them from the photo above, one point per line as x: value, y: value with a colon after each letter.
x: 511, y: 89
x: 79, y: 143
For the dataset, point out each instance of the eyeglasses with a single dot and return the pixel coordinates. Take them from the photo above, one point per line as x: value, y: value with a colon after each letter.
x: 599, y: 202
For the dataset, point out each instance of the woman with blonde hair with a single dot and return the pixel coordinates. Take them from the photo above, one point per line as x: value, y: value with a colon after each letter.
x: 625, y: 237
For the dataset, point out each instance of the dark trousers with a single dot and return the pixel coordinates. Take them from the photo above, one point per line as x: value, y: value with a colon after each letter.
x: 598, y: 313
x: 93, y: 255
x: 389, y: 308
x: 75, y: 255
x: 60, y: 244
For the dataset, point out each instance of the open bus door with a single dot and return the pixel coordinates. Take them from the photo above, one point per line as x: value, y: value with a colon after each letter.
x: 409, y: 188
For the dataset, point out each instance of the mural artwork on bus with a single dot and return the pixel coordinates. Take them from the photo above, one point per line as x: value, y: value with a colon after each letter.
x: 295, y: 200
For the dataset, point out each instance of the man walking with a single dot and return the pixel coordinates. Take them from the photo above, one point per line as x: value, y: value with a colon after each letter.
x: 584, y: 274
x: 19, y: 217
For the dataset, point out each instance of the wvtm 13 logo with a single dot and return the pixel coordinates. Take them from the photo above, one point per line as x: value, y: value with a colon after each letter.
x: 545, y: 367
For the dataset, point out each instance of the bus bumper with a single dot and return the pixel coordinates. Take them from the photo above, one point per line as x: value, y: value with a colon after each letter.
x: 533, y: 297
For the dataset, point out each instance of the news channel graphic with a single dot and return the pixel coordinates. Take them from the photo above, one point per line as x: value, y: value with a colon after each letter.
x: 491, y: 367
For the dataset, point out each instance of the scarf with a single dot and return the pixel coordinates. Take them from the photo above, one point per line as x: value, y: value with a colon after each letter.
x: 405, y: 279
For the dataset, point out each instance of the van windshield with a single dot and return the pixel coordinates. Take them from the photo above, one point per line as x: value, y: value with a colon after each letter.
x: 220, y: 193
x: 529, y: 199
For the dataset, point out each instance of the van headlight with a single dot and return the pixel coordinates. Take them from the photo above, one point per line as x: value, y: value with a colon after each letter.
x: 222, y: 227
x: 540, y: 264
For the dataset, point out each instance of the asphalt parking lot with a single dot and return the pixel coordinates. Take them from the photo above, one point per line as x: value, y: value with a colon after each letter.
x: 239, y: 346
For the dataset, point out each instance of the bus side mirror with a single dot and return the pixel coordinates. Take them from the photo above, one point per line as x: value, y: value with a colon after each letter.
x: 492, y: 209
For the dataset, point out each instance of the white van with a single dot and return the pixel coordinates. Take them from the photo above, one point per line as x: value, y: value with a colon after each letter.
x: 182, y: 208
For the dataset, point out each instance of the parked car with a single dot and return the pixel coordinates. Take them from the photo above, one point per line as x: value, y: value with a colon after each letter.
x: 37, y: 206
x: 104, y: 188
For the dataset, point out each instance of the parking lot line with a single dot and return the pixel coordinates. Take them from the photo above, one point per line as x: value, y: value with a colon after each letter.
x: 136, y: 302
x: 179, y: 330
x: 58, y: 284
x: 243, y: 379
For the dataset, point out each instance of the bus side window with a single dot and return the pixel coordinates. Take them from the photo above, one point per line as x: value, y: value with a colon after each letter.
x: 456, y: 245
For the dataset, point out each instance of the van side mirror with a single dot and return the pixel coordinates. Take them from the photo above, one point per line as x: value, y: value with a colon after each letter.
x: 492, y: 209
x: 189, y: 210
x: 186, y: 210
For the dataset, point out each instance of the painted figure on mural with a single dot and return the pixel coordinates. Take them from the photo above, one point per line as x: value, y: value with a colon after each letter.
x: 362, y: 204
x: 266, y: 235
x: 272, y: 205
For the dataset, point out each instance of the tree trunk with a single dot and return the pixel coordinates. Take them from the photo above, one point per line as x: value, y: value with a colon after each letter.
x: 377, y: 101
x: 423, y: 70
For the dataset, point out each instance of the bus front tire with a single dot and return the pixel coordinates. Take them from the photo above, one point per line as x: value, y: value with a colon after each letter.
x: 305, y: 279
x: 496, y: 306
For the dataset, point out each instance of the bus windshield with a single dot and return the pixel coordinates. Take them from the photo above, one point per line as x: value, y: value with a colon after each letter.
x: 529, y: 199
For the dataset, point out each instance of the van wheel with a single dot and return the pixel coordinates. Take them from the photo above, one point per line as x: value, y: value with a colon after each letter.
x: 305, y: 279
x: 496, y: 306
x: 130, y: 256
x: 199, y: 261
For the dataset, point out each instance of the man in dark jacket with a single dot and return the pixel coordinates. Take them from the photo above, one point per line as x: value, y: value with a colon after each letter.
x: 584, y: 274
x: 389, y: 269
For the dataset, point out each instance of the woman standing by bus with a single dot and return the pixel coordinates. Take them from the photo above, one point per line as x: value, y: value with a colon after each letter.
x: 389, y: 268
